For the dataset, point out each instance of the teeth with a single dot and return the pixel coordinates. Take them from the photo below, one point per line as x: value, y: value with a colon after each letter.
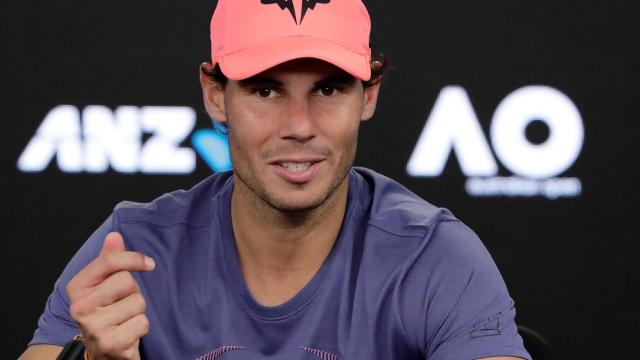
x: 295, y: 166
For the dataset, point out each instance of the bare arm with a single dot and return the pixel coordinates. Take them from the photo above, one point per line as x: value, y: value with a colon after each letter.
x: 41, y: 352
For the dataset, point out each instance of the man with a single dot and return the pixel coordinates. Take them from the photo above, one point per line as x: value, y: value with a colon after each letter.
x: 294, y: 254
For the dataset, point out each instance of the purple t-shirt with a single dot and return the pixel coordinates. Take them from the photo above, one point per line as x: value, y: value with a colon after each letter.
x: 404, y: 280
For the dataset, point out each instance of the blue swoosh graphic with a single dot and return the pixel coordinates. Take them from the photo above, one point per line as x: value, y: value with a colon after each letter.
x: 213, y: 148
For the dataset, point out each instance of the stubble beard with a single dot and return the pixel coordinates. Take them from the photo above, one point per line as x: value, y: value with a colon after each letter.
x: 263, y: 199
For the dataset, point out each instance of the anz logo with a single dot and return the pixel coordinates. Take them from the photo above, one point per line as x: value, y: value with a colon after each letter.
x: 453, y: 126
x: 97, y: 139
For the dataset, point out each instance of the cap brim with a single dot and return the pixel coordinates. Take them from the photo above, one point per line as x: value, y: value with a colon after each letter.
x: 253, y: 60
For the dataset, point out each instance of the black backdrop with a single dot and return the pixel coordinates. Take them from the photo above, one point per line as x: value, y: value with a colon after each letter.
x: 569, y: 262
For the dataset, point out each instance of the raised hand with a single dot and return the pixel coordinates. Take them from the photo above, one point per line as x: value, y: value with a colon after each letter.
x: 107, y: 304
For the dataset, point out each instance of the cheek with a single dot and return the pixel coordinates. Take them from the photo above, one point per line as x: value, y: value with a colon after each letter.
x: 249, y: 126
x: 346, y: 107
x: 340, y: 122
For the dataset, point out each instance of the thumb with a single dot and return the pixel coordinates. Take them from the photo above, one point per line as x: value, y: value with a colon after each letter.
x: 113, y: 242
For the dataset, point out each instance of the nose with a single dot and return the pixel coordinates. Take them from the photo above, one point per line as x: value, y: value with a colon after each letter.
x: 297, y: 123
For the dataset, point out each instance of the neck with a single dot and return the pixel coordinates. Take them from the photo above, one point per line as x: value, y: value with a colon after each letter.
x: 283, y: 247
x: 282, y: 239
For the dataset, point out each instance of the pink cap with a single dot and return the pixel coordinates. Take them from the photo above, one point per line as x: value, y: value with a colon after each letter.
x: 251, y: 36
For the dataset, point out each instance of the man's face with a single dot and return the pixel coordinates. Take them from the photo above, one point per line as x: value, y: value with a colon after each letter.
x: 293, y: 131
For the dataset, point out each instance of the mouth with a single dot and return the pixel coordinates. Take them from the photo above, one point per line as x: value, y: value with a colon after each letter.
x: 295, y: 166
x: 297, y: 171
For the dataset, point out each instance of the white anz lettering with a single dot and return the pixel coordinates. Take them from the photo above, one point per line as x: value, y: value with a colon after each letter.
x: 58, y: 135
x: 112, y: 139
x: 170, y: 126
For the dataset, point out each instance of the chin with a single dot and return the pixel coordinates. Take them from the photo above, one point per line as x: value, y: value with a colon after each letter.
x: 305, y: 198
x: 290, y: 204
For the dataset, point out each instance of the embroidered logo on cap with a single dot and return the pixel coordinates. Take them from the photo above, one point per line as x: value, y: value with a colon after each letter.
x: 288, y: 4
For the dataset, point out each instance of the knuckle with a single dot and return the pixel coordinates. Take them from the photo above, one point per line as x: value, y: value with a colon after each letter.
x: 139, y: 302
x: 74, y: 310
x: 144, y: 324
x: 79, y: 309
x: 71, y: 287
x: 130, y: 353
x: 130, y: 283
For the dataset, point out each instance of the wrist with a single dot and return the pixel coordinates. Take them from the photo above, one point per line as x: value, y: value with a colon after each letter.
x: 74, y: 350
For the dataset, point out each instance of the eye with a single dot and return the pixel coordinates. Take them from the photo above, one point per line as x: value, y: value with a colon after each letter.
x: 327, y: 90
x: 265, y: 92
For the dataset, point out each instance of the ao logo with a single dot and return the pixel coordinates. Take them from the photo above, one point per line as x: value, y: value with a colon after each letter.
x: 453, y: 125
x: 98, y: 139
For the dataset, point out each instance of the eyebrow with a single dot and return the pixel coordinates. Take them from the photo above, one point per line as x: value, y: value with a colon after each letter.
x: 259, y: 80
x: 340, y: 79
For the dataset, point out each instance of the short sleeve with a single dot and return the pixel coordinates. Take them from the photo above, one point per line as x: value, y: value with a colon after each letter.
x: 55, y: 325
x: 468, y: 311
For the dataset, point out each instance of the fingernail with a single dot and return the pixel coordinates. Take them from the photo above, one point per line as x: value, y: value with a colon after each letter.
x: 149, y: 263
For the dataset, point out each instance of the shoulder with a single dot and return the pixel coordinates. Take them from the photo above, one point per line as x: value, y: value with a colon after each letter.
x: 394, y: 209
x: 189, y: 207
x: 432, y: 235
x: 405, y: 231
x: 445, y: 278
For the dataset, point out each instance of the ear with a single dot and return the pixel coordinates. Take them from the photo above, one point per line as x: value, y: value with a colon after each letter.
x: 212, y: 93
x: 372, y: 90
x: 370, y: 101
